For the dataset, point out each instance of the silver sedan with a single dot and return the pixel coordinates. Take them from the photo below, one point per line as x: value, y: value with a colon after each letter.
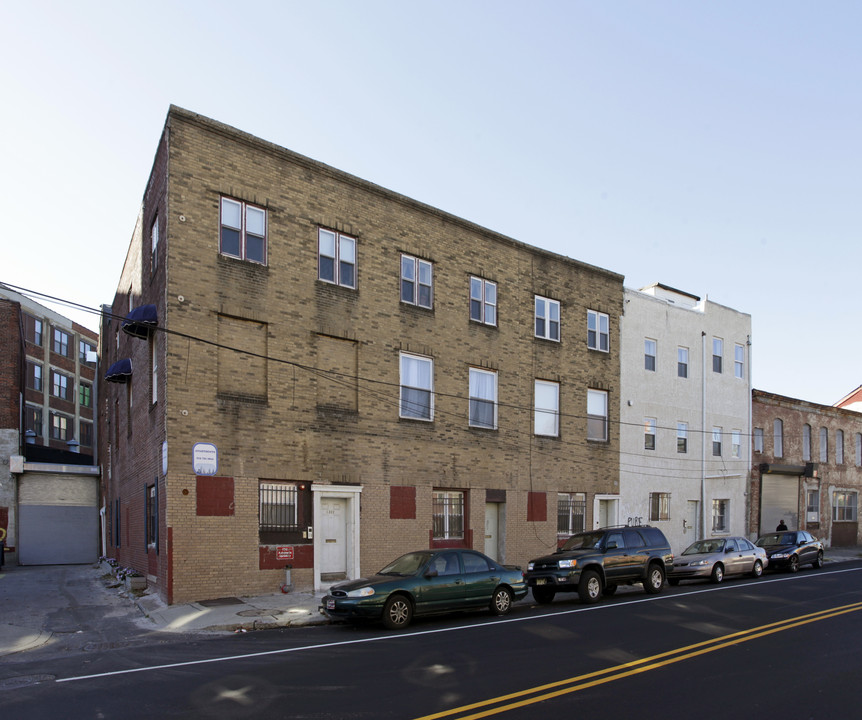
x: 715, y: 558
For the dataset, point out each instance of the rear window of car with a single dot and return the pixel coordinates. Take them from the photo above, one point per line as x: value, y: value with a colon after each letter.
x: 653, y: 536
x: 474, y: 563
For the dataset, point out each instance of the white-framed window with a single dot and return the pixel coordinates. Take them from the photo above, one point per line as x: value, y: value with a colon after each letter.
x: 336, y: 258
x: 34, y: 376
x: 86, y: 352
x: 483, y: 398
x: 824, y: 445
x: 736, y: 443
x: 571, y: 513
x: 154, y: 245
x: 659, y: 506
x: 682, y: 362
x: 716, y: 441
x: 60, y: 427
x: 61, y: 343
x: 417, y: 282
x: 547, y: 318
x: 717, y: 354
x: 60, y: 386
x: 720, y: 512
x: 844, y: 506
x: 806, y: 442
x: 739, y: 361
x: 758, y: 440
x: 649, y: 433
x: 778, y: 438
x: 650, y: 350
x: 417, y: 387
x: 839, y: 447
x: 598, y: 331
x: 152, y: 513
x: 242, y: 231
x: 597, y: 415
x: 682, y: 437
x: 448, y: 515
x: 546, y: 416
x: 483, y: 301
x: 812, y: 504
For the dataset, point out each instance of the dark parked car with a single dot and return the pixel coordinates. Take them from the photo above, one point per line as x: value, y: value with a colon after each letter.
x: 715, y: 558
x: 427, y: 581
x: 789, y: 549
x: 596, y: 562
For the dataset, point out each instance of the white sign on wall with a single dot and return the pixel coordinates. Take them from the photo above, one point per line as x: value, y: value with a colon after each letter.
x: 205, y: 459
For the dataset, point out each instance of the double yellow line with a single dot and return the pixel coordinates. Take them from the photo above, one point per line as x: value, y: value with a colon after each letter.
x: 520, y: 699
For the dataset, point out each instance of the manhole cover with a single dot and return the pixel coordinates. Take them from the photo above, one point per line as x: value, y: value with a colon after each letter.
x: 24, y: 681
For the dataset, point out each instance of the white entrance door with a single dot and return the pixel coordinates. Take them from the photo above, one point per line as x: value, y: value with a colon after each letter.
x: 333, y: 561
x: 608, y: 512
x: 492, y: 530
x: 692, y: 521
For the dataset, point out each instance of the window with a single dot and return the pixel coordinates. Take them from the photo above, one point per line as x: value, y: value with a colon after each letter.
x: 844, y: 506
x: 824, y: 445
x: 719, y: 515
x: 806, y: 442
x: 739, y: 361
x: 649, y: 354
x: 154, y: 370
x: 659, y: 506
x: 243, y: 231
x: 416, y: 282
x: 812, y: 505
x: 34, y: 376
x: 483, y: 301
x: 858, y: 449
x: 736, y: 443
x: 59, y: 427
x: 33, y: 330
x: 839, y: 447
x: 682, y: 437
x: 154, y: 245
x: 758, y: 440
x: 778, y: 438
x: 60, y: 386
x: 86, y: 353
x: 152, y: 515
x: 61, y: 343
x: 717, y: 354
x: 546, y: 417
x: 571, y: 512
x: 285, y: 511
x: 86, y: 434
x: 33, y: 419
x: 336, y: 258
x: 682, y: 362
x: 598, y: 331
x: 547, y: 319
x: 417, y: 387
x: 649, y: 433
x: 448, y: 515
x: 597, y: 415
x: 85, y: 395
x: 483, y: 399
x: 716, y: 441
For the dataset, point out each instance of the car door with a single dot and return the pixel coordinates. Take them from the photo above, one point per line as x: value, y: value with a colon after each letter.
x: 616, y: 559
x: 747, y: 555
x: 733, y: 559
x: 480, y: 578
x: 442, y: 587
x: 807, y: 551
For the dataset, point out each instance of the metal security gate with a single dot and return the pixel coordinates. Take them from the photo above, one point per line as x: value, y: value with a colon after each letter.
x: 779, y: 500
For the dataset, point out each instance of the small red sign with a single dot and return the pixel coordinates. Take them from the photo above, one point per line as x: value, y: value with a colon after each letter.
x: 284, y: 553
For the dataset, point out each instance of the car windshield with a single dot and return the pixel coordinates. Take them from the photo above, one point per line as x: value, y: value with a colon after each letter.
x: 408, y: 564
x: 584, y: 541
x: 704, y: 546
x: 777, y: 539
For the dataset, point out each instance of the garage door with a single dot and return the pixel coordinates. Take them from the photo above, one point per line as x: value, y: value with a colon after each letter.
x: 58, y: 519
x: 779, y: 499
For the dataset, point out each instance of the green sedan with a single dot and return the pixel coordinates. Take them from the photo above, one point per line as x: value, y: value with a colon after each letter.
x: 425, y: 582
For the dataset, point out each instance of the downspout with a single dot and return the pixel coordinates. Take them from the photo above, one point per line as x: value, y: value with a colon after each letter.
x: 750, y: 449
x: 703, y: 437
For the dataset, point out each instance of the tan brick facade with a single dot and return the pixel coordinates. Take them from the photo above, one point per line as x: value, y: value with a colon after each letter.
x: 297, y: 380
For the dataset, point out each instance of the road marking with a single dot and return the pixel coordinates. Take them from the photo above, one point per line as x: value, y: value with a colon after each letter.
x: 420, y: 633
x: 635, y: 667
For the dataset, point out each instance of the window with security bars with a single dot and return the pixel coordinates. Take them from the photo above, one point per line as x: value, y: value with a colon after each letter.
x: 284, y: 512
x: 844, y: 506
x: 659, y: 506
x: 571, y: 513
x: 448, y: 515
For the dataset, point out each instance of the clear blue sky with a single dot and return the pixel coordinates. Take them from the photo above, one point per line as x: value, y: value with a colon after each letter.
x: 714, y: 147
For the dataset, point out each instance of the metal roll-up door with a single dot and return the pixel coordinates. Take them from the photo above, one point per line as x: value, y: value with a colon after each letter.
x: 779, y: 499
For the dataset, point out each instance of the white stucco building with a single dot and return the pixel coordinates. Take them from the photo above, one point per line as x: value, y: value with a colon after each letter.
x: 685, y: 415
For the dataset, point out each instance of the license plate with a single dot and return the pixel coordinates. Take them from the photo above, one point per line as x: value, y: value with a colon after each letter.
x: 541, y: 581
x: 330, y: 603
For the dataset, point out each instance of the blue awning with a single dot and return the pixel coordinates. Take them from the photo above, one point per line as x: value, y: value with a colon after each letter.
x: 140, y: 321
x: 120, y: 371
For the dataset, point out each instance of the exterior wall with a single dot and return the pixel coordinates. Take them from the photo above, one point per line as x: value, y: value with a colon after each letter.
x: 807, y: 473
x: 704, y: 400
x: 11, y: 381
x: 292, y: 418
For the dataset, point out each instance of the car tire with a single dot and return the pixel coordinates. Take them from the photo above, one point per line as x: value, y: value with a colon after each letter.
x: 757, y: 570
x: 673, y: 581
x: 717, y: 573
x: 793, y: 565
x: 397, y: 612
x: 501, y: 601
x: 654, y: 580
x: 544, y: 595
x: 818, y: 561
x: 590, y: 587
x: 609, y: 589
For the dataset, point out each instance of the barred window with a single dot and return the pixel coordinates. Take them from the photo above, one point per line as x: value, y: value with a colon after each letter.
x: 571, y: 513
x: 659, y: 506
x: 448, y: 515
x: 285, y: 512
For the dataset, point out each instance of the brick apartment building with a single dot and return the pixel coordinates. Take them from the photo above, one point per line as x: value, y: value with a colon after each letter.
x: 311, y: 370
x: 807, y: 468
x: 49, y: 506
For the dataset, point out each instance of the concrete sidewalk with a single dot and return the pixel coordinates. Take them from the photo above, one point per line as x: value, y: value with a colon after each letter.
x: 24, y: 626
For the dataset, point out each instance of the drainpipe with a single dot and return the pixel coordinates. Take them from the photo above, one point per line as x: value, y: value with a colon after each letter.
x: 703, y: 437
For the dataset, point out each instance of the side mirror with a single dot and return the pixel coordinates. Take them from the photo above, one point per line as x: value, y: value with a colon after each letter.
x: 729, y: 550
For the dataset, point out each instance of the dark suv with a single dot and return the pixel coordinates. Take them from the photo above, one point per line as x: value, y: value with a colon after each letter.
x: 594, y: 563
